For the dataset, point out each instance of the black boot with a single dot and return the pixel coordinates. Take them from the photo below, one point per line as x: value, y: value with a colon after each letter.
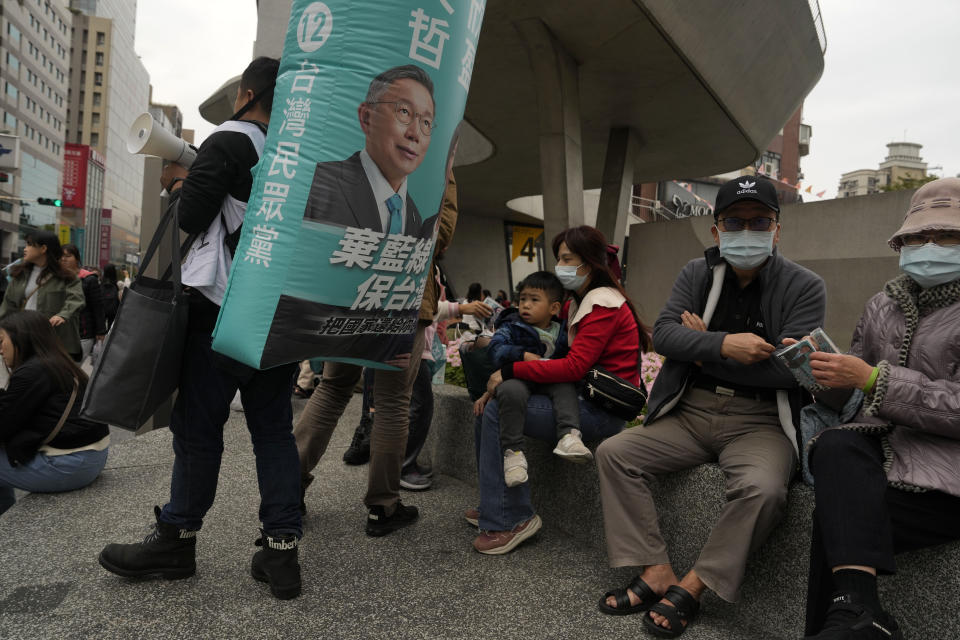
x: 359, y: 451
x: 168, y: 551
x: 278, y: 565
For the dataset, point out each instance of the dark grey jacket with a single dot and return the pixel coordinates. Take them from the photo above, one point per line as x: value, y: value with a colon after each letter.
x: 793, y: 303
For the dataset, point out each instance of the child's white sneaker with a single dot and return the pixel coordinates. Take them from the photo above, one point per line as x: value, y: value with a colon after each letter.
x: 514, y: 467
x: 571, y: 448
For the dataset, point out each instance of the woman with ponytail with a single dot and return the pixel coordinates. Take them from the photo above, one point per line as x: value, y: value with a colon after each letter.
x: 605, y: 331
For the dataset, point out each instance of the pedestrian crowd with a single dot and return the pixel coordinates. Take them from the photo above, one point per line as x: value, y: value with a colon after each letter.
x: 883, y: 460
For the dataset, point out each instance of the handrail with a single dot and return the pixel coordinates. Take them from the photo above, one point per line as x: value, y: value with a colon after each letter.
x: 818, y: 24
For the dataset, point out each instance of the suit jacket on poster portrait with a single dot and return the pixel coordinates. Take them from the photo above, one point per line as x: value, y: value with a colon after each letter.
x: 341, y: 194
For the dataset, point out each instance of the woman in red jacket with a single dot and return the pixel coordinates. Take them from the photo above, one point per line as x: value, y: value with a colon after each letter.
x: 604, y: 331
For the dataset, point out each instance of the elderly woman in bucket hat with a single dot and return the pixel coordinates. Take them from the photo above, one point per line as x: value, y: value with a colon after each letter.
x: 889, y: 481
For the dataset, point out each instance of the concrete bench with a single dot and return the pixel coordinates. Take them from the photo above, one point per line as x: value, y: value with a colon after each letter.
x: 923, y: 595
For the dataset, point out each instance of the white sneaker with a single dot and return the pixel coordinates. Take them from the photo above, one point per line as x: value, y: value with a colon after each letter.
x: 571, y: 448
x: 514, y: 467
x: 235, y: 404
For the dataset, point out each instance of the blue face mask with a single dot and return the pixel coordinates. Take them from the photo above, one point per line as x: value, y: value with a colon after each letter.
x: 930, y: 264
x: 568, y: 277
x: 746, y: 249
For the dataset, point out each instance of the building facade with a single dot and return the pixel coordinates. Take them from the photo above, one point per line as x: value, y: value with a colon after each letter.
x: 34, y: 71
x: 109, y: 89
x: 903, y: 163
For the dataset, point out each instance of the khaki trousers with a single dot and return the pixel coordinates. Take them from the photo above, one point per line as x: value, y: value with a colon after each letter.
x: 388, y: 437
x: 744, y: 437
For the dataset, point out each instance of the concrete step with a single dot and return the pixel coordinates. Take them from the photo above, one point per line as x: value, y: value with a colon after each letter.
x: 567, y: 498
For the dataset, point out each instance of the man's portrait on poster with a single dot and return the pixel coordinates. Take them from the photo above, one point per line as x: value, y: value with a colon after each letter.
x: 369, y: 189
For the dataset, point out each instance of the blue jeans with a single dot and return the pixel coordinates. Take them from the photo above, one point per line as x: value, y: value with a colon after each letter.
x: 48, y: 474
x: 208, y: 382
x: 501, y: 507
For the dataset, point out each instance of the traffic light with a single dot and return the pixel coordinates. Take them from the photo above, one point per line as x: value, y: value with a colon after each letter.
x: 53, y: 202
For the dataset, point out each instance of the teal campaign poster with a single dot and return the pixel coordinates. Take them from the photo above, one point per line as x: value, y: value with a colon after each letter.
x: 339, y: 231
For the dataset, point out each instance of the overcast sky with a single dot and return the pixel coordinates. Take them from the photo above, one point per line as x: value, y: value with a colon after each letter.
x: 890, y: 71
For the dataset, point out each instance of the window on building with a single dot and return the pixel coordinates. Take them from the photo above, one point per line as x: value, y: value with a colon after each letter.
x: 85, y: 32
x: 14, y: 33
x: 95, y: 118
x: 99, y: 58
x: 98, y: 78
x: 10, y: 122
x: 13, y: 63
x: 94, y: 139
x: 96, y: 98
x: 101, y: 38
x: 12, y: 91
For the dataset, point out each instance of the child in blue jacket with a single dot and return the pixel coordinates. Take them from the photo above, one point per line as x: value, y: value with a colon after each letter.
x: 529, y: 332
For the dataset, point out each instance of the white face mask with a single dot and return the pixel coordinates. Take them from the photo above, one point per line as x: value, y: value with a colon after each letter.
x: 746, y: 249
x: 930, y: 264
x: 568, y: 277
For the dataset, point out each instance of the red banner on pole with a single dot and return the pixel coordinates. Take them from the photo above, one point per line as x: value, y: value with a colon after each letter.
x: 75, y: 175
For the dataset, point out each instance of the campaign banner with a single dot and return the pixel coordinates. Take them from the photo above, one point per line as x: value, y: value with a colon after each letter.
x: 339, y: 230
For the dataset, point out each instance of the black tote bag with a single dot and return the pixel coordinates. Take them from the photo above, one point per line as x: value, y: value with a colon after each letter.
x: 139, y: 367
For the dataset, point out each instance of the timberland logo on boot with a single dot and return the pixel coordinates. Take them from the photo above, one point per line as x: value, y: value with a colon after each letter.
x: 187, y: 534
x: 372, y: 516
x: 282, y: 545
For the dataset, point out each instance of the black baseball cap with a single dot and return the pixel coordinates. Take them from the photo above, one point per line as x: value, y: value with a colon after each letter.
x: 747, y: 188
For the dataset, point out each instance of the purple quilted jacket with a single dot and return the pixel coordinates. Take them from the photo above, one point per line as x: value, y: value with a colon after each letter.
x: 921, y: 397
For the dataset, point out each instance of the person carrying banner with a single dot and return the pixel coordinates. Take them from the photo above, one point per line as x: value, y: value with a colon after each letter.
x: 212, y: 200
x: 369, y: 190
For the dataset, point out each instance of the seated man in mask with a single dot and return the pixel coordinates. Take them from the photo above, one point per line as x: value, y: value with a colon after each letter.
x: 715, y: 400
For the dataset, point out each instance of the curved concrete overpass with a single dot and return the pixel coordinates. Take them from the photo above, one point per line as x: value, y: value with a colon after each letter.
x: 584, y: 94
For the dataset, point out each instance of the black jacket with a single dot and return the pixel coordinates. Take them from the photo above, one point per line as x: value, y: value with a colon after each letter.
x: 111, y: 300
x: 92, y: 317
x: 30, y: 408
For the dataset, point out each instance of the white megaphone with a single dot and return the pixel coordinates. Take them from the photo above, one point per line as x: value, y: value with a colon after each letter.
x: 148, y: 138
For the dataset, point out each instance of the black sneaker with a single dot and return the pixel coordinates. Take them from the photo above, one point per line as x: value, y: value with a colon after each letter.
x: 359, y: 450
x: 848, y: 619
x: 168, y: 552
x: 379, y: 524
x: 277, y: 564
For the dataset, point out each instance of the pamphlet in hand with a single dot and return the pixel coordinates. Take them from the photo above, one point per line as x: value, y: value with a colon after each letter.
x: 797, y: 359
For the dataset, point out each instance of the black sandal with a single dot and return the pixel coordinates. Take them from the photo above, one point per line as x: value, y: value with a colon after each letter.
x: 684, y: 609
x: 640, y: 588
